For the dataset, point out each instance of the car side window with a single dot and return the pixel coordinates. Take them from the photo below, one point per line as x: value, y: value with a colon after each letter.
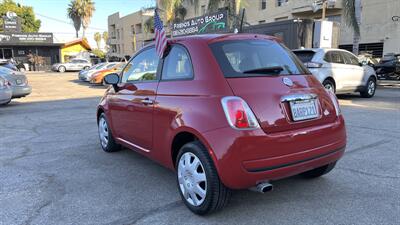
x: 177, y: 65
x: 350, y: 59
x: 143, y: 67
x: 334, y: 57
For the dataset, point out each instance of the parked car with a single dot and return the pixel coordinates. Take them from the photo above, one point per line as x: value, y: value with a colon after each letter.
x: 389, y: 67
x: 8, y: 64
x: 106, y: 67
x: 230, y: 111
x: 98, y: 77
x: 5, y: 92
x: 368, y: 59
x: 83, y: 74
x: 339, y: 70
x: 17, y: 81
x: 73, y: 65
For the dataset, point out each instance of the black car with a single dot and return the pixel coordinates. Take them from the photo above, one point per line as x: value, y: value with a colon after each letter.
x: 389, y: 67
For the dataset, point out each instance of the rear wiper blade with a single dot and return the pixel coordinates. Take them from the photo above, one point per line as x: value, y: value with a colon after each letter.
x: 268, y: 70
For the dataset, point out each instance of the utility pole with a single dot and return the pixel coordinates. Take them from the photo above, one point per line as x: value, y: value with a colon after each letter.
x: 324, y: 5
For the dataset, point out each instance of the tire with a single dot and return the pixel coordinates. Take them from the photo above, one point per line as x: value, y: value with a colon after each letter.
x: 370, y: 88
x: 216, y: 195
x: 6, y: 103
x: 61, y: 69
x: 85, y: 68
x: 22, y: 69
x: 107, y: 141
x: 103, y: 82
x: 320, y: 171
x: 329, y: 85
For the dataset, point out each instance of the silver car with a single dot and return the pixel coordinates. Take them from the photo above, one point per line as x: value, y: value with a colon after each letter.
x: 73, y: 65
x: 5, y: 92
x: 339, y: 70
x: 17, y: 81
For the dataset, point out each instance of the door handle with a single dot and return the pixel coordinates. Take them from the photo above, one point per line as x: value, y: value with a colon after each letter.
x: 147, y: 101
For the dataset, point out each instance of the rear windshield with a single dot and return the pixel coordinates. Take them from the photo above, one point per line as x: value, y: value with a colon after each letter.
x: 305, y: 56
x: 246, y: 58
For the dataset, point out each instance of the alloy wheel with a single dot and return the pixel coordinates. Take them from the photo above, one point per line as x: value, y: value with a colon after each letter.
x: 103, y: 132
x: 329, y: 87
x: 192, y: 179
x: 371, y: 87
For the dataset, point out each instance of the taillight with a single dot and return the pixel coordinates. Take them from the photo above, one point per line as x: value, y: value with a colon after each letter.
x: 334, y: 101
x: 313, y: 65
x: 238, y: 113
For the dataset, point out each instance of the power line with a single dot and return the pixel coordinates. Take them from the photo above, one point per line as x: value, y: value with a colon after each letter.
x: 66, y: 22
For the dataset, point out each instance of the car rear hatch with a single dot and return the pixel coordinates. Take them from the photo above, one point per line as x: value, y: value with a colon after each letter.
x: 275, y: 84
x: 272, y: 101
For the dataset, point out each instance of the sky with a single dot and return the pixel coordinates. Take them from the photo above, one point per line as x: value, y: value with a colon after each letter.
x: 53, y: 14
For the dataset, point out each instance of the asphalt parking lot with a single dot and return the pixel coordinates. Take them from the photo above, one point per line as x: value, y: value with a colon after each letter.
x: 53, y: 171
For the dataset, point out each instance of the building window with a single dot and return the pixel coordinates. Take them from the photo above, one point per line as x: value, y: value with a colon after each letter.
x: 203, y: 10
x: 281, y: 2
x: 138, y: 28
x: 261, y: 21
x: 133, y: 29
x: 263, y: 4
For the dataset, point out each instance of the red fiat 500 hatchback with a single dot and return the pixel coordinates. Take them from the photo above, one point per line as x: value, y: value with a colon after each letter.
x: 225, y: 112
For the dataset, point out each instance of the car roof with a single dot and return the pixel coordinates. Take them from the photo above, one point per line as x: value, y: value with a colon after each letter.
x: 212, y: 38
x: 320, y: 49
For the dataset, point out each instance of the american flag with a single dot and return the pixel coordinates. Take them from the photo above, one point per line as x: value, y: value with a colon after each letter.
x: 161, y: 38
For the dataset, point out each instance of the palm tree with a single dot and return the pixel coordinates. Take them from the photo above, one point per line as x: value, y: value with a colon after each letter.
x: 233, y: 7
x: 105, y: 39
x: 87, y: 10
x: 97, y: 38
x: 352, y: 14
x: 74, y: 14
x: 169, y: 8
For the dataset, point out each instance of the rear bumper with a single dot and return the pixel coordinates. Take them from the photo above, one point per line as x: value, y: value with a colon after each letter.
x: 21, y: 91
x: 245, y: 158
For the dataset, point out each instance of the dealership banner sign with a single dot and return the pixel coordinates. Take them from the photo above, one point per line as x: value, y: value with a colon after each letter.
x: 210, y: 23
x: 26, y: 38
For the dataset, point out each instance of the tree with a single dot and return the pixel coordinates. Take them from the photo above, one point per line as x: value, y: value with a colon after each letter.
x: 73, y: 12
x: 351, y: 15
x: 233, y: 7
x: 29, y: 22
x: 87, y: 10
x: 97, y: 38
x: 99, y: 53
x: 105, y: 39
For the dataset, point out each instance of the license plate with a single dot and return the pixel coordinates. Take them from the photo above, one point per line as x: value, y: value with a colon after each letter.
x: 304, y: 110
x: 18, y: 81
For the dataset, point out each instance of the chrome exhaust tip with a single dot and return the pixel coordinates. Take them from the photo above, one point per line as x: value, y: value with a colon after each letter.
x: 262, y: 187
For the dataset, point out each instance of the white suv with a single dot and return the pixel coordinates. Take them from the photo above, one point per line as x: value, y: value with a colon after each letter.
x: 339, y: 70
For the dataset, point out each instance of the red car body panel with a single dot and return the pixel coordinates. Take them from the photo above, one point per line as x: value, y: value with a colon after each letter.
x: 278, y: 149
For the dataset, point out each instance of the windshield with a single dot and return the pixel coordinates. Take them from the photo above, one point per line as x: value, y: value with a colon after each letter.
x: 247, y: 58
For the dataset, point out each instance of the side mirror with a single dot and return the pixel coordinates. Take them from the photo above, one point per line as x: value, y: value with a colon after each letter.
x: 112, y: 79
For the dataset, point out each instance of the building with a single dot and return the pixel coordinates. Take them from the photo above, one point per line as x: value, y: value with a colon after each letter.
x: 380, y: 23
x: 19, y: 45
x: 78, y: 48
x: 129, y: 33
